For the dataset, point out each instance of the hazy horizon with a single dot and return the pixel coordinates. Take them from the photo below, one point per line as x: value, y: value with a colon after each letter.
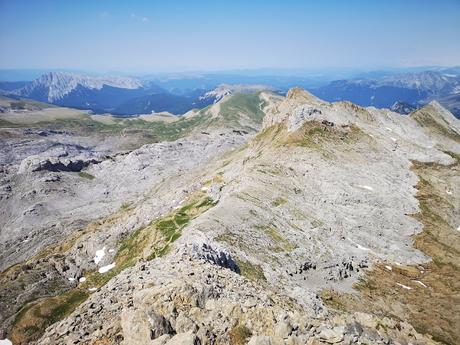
x: 205, y: 36
x: 325, y: 74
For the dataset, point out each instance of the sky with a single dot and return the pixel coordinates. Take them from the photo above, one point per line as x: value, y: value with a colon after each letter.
x: 203, y: 35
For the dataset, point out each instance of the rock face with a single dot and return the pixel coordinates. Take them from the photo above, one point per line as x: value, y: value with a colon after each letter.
x: 60, y: 159
x: 55, y: 85
x: 225, y: 236
x: 192, y: 302
x: 39, y: 205
x: 402, y: 108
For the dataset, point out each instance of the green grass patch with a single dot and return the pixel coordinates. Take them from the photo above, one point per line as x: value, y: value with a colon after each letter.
x: 86, y: 175
x: 239, y: 335
x: 68, y: 303
x: 251, y: 271
x: 279, y: 243
x: 316, y: 136
x: 151, y: 241
x: 32, y: 320
x: 22, y: 312
x: 154, y: 239
x: 7, y: 124
x: 278, y: 202
x: 330, y: 298
x: 167, y: 227
x: 233, y: 240
x: 125, y: 206
x: 151, y: 131
x: 247, y: 105
x: 147, y: 242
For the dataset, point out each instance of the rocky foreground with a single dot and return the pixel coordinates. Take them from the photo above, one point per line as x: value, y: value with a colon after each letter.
x: 270, y: 220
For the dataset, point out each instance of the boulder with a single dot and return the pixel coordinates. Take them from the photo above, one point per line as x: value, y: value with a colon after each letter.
x: 184, y: 339
x: 159, y: 325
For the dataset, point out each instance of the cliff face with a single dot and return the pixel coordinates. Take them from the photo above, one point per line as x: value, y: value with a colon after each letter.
x: 55, y: 85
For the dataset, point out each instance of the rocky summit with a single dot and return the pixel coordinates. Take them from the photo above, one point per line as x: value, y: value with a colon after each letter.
x: 260, y: 219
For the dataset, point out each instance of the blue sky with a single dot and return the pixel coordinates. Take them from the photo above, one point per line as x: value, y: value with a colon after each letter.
x: 157, y: 36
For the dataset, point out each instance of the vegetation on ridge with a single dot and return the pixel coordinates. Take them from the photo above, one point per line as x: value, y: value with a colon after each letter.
x: 431, y: 303
x: 147, y: 242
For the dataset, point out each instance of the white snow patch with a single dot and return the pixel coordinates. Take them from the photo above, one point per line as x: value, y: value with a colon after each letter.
x: 5, y: 342
x: 71, y: 279
x: 107, y: 268
x: 204, y: 189
x: 82, y: 280
x: 361, y: 247
x: 394, y: 139
x: 358, y: 245
x: 99, y: 255
x: 419, y: 282
x: 365, y: 187
x: 388, y: 268
x: 389, y: 129
x: 92, y: 289
x: 458, y: 228
x: 111, y: 250
x: 404, y: 286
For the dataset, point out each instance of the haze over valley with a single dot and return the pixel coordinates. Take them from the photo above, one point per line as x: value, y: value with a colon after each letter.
x: 179, y: 93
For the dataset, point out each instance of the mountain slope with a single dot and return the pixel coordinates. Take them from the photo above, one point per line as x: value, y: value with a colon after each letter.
x: 232, y: 237
x: 437, y: 120
x: 180, y: 104
x: 156, y: 103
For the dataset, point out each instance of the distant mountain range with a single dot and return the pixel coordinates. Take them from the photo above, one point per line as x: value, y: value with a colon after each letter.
x: 118, y: 95
x: 99, y: 94
x: 126, y: 96
x: 411, y: 89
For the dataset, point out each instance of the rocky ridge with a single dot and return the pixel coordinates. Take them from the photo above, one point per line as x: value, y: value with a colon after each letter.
x: 322, y: 193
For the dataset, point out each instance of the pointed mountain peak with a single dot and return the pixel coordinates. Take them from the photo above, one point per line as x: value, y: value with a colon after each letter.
x: 299, y: 94
x: 436, y: 105
x: 435, y: 109
x: 435, y: 117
